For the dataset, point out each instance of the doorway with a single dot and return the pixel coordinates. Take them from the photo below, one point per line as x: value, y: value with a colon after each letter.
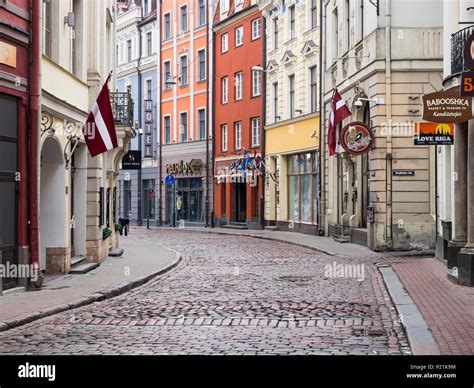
x: 240, y: 202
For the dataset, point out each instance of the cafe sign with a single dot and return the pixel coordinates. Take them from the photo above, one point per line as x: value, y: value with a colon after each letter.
x: 447, y: 107
x: 357, y: 138
x: 195, y: 166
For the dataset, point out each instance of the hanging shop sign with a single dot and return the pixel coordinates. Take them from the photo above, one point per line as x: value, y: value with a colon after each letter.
x: 467, y: 84
x: 443, y: 107
x: 194, y: 167
x: 434, y: 134
x: 132, y: 161
x: 8, y: 54
x: 148, y: 132
x: 469, y: 52
x: 357, y: 138
x: 169, y: 180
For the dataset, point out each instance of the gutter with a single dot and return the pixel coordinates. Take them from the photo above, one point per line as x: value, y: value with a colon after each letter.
x: 388, y: 91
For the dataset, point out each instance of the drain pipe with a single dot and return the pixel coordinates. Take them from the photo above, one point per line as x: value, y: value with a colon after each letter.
x: 34, y: 124
x: 322, y: 115
x: 388, y: 91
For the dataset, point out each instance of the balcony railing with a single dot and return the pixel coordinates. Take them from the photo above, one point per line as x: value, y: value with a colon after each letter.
x: 122, y: 108
x: 458, y: 41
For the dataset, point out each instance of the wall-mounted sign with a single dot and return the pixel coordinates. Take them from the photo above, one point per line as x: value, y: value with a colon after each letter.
x: 7, y: 54
x: 169, y: 180
x: 469, y: 52
x: 467, y: 83
x: 184, y: 168
x: 132, y: 160
x: 403, y: 172
x: 447, y: 107
x: 434, y: 134
x: 148, y: 132
x: 357, y: 138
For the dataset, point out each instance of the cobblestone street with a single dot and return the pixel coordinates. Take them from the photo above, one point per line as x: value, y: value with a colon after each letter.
x: 229, y: 295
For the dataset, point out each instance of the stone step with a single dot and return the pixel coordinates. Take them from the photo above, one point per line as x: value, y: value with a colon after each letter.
x: 116, y: 252
x: 236, y: 225
x: 83, y: 268
x: 77, y: 260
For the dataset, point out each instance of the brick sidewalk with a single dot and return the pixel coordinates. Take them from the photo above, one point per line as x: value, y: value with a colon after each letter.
x: 447, y: 308
x: 140, y: 262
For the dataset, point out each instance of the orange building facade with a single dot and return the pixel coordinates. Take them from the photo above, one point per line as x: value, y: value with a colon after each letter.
x: 185, y: 144
x: 238, y: 118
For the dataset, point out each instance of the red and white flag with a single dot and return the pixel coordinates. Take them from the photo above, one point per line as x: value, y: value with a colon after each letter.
x: 339, y: 112
x: 99, y: 131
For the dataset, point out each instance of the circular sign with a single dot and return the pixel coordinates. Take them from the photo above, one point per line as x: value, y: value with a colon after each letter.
x: 357, y: 138
x: 169, y: 180
x: 469, y: 52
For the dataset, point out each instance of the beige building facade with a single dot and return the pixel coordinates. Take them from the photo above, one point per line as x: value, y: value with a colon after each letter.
x: 382, y: 58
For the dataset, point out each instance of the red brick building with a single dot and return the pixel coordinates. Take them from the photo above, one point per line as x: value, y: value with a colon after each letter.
x: 18, y: 161
x: 238, y: 119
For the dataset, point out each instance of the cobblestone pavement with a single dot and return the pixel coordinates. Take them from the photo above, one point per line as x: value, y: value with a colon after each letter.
x: 230, y: 295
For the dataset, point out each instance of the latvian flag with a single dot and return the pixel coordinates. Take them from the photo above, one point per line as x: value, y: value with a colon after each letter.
x: 339, y: 111
x: 99, y: 131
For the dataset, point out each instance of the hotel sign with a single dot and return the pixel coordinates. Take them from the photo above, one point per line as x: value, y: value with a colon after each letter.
x: 447, y: 107
x: 148, y: 132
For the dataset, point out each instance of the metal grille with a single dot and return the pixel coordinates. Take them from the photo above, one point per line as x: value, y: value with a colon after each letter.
x: 122, y: 108
x: 458, y: 41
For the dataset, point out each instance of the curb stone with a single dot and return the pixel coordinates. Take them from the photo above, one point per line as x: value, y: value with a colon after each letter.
x: 96, y: 297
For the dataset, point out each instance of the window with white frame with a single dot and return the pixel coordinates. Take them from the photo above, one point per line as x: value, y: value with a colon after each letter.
x: 275, y: 33
x: 129, y: 50
x: 167, y: 127
x: 255, y: 29
x: 275, y: 101
x: 224, y: 137
x: 239, y: 77
x: 183, y: 126
x: 256, y: 83
x: 292, y: 21
x: 202, y: 124
x: 149, y: 43
x: 313, y: 85
x: 225, y: 5
x: 201, y: 65
x: 225, y: 90
x: 313, y: 13
x: 148, y: 89
x: 184, y: 70
x: 239, y: 36
x: 167, y: 75
x: 184, y: 18
x: 291, y: 96
x: 256, y: 132
x: 238, y: 135
x: 167, y: 25
x: 202, y: 12
x: 224, y: 43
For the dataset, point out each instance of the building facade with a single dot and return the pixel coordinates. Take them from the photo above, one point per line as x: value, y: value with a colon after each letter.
x: 382, y: 58
x: 185, y: 143
x: 78, y: 194
x: 15, y: 51
x: 455, y: 239
x: 238, y: 114
x: 292, y: 115
x: 137, y: 45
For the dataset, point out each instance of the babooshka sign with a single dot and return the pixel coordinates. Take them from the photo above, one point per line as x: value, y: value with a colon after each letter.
x: 447, y: 107
x: 357, y: 138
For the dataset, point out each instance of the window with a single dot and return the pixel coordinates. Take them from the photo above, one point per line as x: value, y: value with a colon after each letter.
x: 167, y: 125
x: 275, y: 33
x: 202, y: 13
x: 129, y: 51
x: 201, y: 65
x: 255, y: 29
x: 147, y: 7
x: 148, y: 89
x: 275, y: 101
x: 303, y: 187
x: 256, y: 84
x: 292, y: 12
x: 225, y: 5
x: 239, y: 36
x: 225, y: 43
x: 348, y: 24
x: 238, y: 135
x: 225, y: 90
x: 184, y: 70
x: 313, y: 74
x: 149, y: 43
x: 291, y: 95
x: 184, y: 18
x: 360, y: 31
x: 167, y: 74
x: 149, y: 198
x: 239, y: 85
x: 224, y: 137
x: 167, y: 24
x: 202, y: 123
x: 314, y: 14
x: 256, y: 132
x: 335, y: 43
x: 117, y: 55
x: 47, y: 28
x: 183, y: 127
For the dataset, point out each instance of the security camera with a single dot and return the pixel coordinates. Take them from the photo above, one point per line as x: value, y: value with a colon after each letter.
x: 358, y: 104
